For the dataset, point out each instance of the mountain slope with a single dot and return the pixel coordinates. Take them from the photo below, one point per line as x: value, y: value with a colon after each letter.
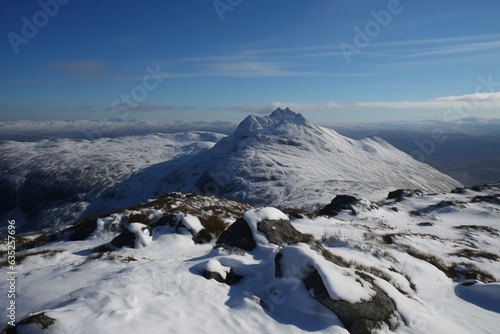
x: 52, y: 181
x: 284, y: 160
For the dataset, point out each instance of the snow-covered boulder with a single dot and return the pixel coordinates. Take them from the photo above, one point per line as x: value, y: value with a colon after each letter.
x: 136, y: 235
x: 351, y: 294
x: 261, y: 227
x: 215, y: 270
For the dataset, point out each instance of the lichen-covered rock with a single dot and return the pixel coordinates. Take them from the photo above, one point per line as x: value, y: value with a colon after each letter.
x: 282, y: 232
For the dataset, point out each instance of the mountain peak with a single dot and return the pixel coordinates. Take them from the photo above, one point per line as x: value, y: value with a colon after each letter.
x: 287, y: 115
x: 254, y: 124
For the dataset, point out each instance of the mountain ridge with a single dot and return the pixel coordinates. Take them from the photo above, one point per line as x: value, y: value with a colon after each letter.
x: 286, y: 161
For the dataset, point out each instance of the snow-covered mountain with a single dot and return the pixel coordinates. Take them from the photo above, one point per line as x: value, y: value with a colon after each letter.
x: 200, y: 264
x: 51, y: 182
x: 285, y: 161
x: 280, y: 160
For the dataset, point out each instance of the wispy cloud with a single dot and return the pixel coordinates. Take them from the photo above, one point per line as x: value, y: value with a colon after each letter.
x: 479, y: 101
x: 150, y: 107
x: 86, y: 69
x: 329, y: 60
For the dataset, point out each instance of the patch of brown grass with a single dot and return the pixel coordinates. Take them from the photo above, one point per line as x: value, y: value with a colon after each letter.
x: 479, y: 228
x: 21, y: 256
x: 473, y: 253
x: 139, y: 218
x: 213, y: 228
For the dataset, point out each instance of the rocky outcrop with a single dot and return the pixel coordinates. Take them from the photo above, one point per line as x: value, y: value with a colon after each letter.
x: 281, y: 232
x: 358, y: 318
x: 400, y: 194
x: 339, y: 203
x: 237, y: 235
x: 34, y: 323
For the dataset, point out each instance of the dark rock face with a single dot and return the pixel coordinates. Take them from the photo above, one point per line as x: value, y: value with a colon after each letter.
x: 83, y: 230
x: 128, y: 238
x: 238, y: 235
x: 400, y: 194
x: 425, y: 224
x: 445, y: 204
x: 281, y: 232
x: 358, y: 318
x: 40, y: 319
x: 124, y: 239
x: 459, y: 191
x: 492, y: 199
x: 396, y: 194
x: 339, y: 203
x: 231, y: 278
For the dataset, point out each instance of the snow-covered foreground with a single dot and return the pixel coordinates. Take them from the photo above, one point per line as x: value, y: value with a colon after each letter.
x: 424, y: 252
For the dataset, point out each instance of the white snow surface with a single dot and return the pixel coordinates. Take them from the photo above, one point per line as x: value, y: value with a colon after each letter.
x: 192, y: 223
x: 341, y: 283
x: 161, y: 288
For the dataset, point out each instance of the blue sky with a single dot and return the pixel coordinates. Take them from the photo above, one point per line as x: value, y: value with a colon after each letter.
x: 332, y: 60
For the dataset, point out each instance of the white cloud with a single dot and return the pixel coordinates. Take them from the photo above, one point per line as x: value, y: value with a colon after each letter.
x: 476, y: 101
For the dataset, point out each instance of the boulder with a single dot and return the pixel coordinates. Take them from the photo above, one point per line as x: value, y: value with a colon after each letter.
x: 238, y: 235
x: 400, y: 194
x: 281, y: 232
x: 358, y: 318
x: 34, y: 323
x: 124, y: 239
x: 230, y: 279
x: 339, y: 203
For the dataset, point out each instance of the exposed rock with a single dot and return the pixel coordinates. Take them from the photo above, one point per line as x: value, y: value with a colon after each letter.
x: 388, y: 238
x: 40, y: 320
x: 281, y: 232
x: 445, y: 204
x: 492, y: 199
x: 124, y: 239
x: 358, y: 318
x: 400, y: 194
x: 339, y: 203
x: 463, y: 273
x: 459, y: 190
x: 238, y: 235
x: 231, y: 277
x: 83, y: 229
x: 425, y: 224
x: 396, y: 194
